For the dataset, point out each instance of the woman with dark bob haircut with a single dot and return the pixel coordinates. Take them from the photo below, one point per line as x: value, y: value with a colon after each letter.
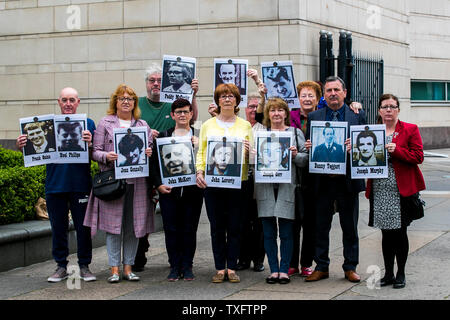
x: 224, y: 206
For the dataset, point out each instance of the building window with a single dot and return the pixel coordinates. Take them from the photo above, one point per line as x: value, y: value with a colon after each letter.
x: 429, y: 91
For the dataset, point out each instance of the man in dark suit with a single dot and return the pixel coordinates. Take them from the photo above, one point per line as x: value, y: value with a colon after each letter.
x: 329, y: 151
x: 339, y: 188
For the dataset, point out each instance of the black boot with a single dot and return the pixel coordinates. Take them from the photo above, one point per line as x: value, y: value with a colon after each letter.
x: 400, y: 281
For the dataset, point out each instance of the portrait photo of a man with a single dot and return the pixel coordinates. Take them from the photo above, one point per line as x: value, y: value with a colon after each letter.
x: 224, y: 159
x: 231, y: 71
x: 177, y: 77
x: 131, y: 150
x: 366, y: 150
x: 279, y: 82
x: 330, y: 150
x: 69, y: 136
x: 176, y: 159
x: 273, y: 154
x: 40, y: 137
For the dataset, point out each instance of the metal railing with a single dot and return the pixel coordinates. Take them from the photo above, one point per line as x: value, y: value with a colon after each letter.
x: 368, y: 81
x: 362, y: 75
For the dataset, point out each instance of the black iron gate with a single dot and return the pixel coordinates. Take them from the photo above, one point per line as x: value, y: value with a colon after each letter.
x: 367, y: 86
x: 363, y: 76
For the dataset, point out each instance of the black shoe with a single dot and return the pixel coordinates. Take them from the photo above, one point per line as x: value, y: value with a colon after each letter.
x: 271, y: 280
x: 242, y: 265
x: 188, y: 275
x: 174, y: 275
x: 399, y: 282
x: 258, y: 267
x: 136, y: 268
x: 387, y: 280
x: 284, y: 280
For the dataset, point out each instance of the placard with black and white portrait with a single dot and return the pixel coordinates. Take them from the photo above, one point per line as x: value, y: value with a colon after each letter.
x: 69, y: 138
x: 273, y: 156
x: 278, y: 76
x: 328, y: 153
x: 232, y: 71
x: 176, y: 161
x: 130, y: 144
x: 224, y: 162
x: 369, y: 156
x: 41, y: 146
x: 178, y: 73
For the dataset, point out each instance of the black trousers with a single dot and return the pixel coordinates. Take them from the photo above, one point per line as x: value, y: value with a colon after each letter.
x: 308, y: 224
x: 334, y: 189
x: 224, y: 210
x: 180, y: 212
x: 252, y: 237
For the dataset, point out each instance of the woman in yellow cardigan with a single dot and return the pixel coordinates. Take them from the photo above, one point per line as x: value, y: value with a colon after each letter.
x: 224, y: 205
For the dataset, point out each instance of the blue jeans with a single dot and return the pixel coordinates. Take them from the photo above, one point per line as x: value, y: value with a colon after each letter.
x: 270, y: 242
x: 58, y: 205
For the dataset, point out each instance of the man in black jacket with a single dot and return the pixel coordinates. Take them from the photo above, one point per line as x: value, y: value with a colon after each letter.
x: 340, y: 188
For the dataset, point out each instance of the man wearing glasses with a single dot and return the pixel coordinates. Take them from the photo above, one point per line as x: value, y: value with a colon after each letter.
x: 157, y: 116
x: 179, y: 79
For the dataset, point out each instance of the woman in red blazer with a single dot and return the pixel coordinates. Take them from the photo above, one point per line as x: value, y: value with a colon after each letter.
x: 405, y: 153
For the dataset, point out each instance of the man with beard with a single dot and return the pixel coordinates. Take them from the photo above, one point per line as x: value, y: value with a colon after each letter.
x: 158, y: 117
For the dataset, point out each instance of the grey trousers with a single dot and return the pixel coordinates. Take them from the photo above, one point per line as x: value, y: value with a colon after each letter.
x: 127, y: 238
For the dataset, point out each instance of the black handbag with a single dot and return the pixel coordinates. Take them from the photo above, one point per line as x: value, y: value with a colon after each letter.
x: 412, y: 206
x: 106, y: 187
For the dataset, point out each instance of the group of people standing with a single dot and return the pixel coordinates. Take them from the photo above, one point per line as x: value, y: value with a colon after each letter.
x: 245, y: 223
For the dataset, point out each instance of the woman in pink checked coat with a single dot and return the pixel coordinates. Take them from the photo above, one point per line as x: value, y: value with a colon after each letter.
x: 131, y: 216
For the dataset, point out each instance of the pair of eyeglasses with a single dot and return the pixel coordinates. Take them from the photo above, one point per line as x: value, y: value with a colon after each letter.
x: 174, y: 72
x: 151, y: 80
x: 180, y: 112
x: 123, y: 99
x: 389, y: 106
x: 231, y: 97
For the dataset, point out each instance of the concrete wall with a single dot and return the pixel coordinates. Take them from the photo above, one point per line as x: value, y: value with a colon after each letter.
x: 430, y: 55
x: 40, y: 54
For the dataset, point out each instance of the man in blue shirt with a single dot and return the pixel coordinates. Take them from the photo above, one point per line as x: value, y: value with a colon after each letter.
x: 67, y: 186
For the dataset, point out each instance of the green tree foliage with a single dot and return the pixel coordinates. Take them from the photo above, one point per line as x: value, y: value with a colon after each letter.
x: 21, y: 187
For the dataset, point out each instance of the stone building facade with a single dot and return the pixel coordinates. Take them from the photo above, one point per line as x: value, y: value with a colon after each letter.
x: 94, y: 45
